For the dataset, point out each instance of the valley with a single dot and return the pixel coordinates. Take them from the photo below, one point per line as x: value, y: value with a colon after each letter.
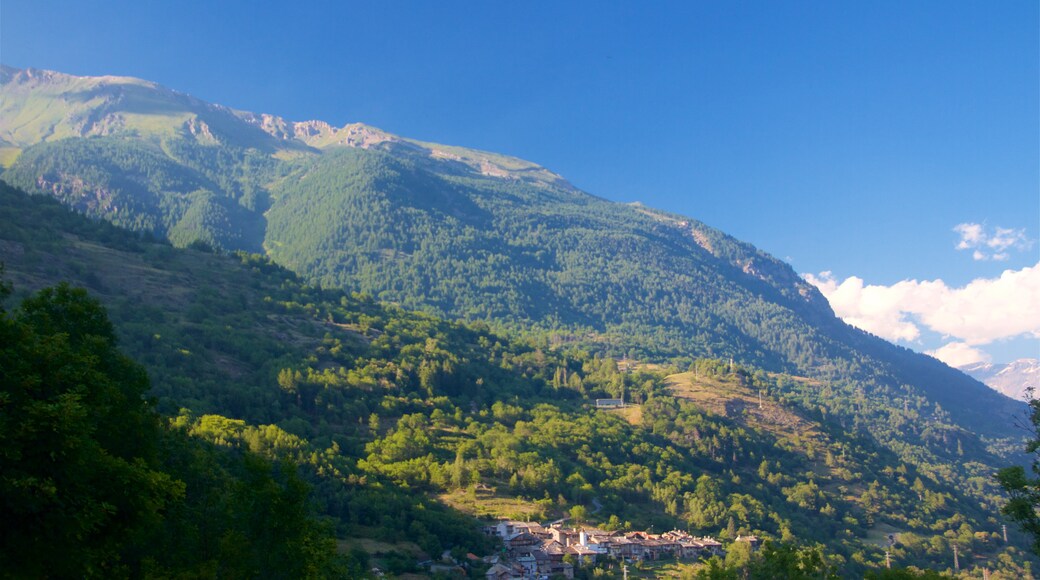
x: 423, y: 330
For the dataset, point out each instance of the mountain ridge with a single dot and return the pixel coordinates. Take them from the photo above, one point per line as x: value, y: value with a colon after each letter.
x: 118, y: 94
x: 453, y: 231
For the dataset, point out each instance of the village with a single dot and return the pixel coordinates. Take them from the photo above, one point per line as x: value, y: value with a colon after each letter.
x: 534, y: 551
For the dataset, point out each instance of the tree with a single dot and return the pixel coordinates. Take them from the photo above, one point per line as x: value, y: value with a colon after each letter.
x: 578, y: 513
x: 792, y: 562
x: 1023, y: 489
x: 714, y: 570
x: 92, y: 485
x: 80, y: 480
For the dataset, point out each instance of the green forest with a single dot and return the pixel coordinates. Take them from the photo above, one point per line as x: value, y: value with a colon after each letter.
x: 96, y: 484
x: 306, y: 431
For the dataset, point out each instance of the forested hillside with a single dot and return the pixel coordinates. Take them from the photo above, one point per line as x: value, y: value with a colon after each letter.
x: 407, y: 426
x: 451, y: 231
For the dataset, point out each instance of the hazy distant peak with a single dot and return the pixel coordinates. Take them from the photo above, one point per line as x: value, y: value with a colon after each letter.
x: 1011, y: 379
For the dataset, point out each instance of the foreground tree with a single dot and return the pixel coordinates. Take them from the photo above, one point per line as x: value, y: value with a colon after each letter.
x: 1024, y: 490
x: 93, y: 485
x: 78, y: 461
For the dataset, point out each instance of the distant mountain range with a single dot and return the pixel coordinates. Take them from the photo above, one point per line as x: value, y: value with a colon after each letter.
x: 1012, y: 379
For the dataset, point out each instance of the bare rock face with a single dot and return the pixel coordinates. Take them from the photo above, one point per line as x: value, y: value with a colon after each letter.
x: 273, y: 125
x: 81, y: 195
x: 308, y: 130
x: 200, y: 130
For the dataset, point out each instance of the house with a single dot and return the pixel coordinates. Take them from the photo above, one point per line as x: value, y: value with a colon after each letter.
x: 530, y: 565
x: 622, y: 547
x: 563, y: 536
x: 538, y: 530
x: 610, y: 403
x: 688, y: 548
x: 711, y: 546
x: 542, y: 563
x: 500, y: 572
x: 599, y: 536
x: 656, y: 548
x: 554, y: 550
x: 585, y: 554
x: 507, y: 528
x: 522, y: 543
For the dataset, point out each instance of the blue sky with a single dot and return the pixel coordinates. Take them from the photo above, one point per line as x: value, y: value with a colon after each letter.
x: 849, y: 138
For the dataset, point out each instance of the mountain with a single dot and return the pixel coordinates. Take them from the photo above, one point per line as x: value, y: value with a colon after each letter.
x: 405, y: 421
x: 408, y: 426
x: 452, y: 231
x: 1012, y: 379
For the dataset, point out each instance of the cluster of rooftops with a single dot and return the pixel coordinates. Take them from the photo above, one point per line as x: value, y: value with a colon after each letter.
x: 532, y: 550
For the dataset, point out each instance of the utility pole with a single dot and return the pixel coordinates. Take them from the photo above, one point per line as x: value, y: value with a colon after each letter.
x: 956, y: 563
x: 624, y: 569
x: 760, y: 399
x: 1004, y: 528
x: 888, y: 560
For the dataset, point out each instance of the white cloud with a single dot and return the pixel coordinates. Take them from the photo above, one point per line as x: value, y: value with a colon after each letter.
x: 958, y: 354
x: 991, y: 246
x: 876, y: 309
x: 985, y: 310
x: 971, y: 235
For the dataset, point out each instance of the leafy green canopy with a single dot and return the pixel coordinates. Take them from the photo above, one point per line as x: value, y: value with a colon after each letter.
x: 1023, y: 507
x: 93, y: 485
